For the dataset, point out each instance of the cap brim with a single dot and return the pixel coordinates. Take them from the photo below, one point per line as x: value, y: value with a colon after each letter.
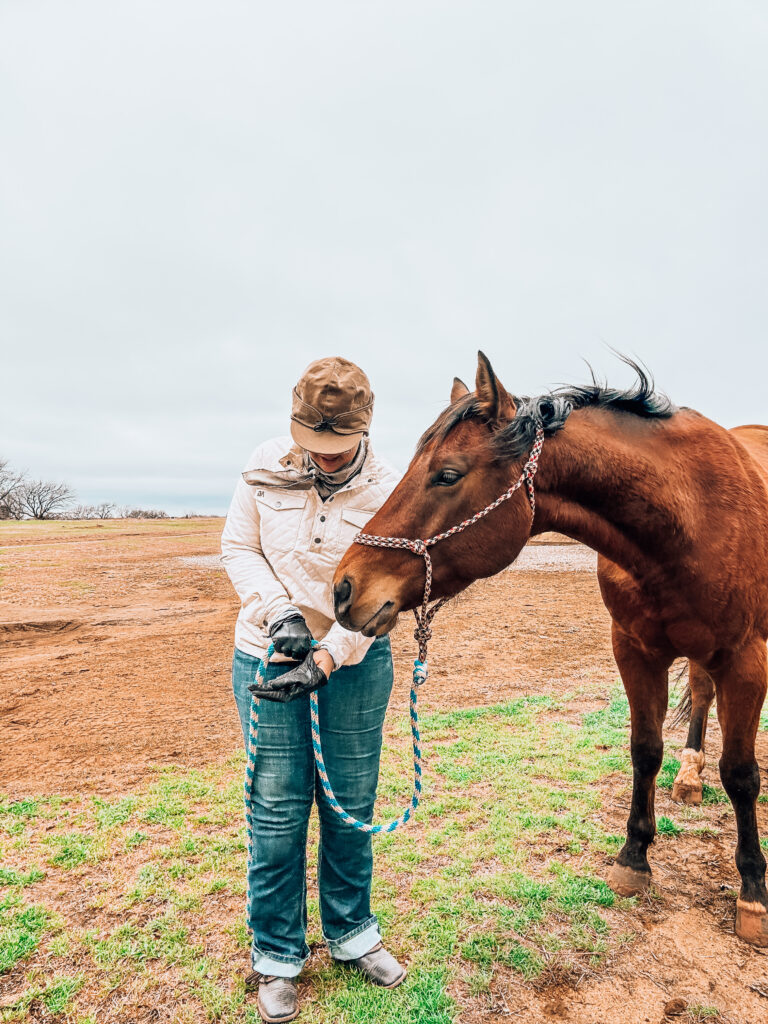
x: 324, y: 442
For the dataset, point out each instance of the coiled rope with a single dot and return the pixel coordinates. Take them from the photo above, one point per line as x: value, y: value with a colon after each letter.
x: 419, y: 676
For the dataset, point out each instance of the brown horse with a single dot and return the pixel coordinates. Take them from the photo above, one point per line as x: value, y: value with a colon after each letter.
x: 677, y: 508
x: 700, y: 689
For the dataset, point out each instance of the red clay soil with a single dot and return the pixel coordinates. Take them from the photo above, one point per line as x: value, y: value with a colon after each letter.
x: 116, y: 653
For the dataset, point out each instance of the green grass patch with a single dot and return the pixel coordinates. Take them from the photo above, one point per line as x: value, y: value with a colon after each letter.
x: 110, y: 815
x: 667, y: 827
x: 54, y: 997
x: 72, y: 849
x: 20, y: 878
x: 490, y: 950
x: 697, y: 1013
x: 163, y: 938
x: 60, y: 992
x: 136, y: 839
x: 21, y: 929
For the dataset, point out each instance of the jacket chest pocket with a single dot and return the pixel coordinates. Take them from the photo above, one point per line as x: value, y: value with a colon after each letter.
x: 352, y: 521
x: 281, y: 515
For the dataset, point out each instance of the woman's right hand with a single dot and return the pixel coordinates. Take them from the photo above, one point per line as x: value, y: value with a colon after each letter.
x: 291, y: 637
x: 295, y: 683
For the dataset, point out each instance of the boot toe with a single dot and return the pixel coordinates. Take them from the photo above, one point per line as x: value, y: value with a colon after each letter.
x: 381, y: 968
x: 278, y: 1000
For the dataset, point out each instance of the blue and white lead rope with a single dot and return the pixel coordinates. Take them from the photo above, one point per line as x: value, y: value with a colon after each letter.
x: 419, y: 676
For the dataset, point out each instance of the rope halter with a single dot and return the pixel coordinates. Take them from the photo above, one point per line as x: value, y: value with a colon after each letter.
x: 424, y: 617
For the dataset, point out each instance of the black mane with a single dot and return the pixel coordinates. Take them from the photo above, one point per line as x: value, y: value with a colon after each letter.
x: 551, y: 411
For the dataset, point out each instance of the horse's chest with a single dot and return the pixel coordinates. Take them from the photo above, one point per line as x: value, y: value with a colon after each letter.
x: 659, y: 621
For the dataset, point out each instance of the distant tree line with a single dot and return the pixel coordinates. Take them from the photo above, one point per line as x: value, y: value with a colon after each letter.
x: 22, y: 498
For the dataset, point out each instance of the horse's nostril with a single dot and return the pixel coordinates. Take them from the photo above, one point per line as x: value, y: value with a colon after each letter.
x: 342, y: 595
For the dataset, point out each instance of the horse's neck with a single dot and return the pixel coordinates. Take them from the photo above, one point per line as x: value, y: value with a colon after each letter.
x: 609, y: 485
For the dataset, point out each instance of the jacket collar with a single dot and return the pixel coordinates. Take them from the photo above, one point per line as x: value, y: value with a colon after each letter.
x: 287, y: 471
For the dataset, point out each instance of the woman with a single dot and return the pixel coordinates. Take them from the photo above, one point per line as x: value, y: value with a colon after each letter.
x: 293, y: 515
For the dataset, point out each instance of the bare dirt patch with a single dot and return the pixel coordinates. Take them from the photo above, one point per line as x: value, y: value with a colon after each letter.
x: 116, y: 650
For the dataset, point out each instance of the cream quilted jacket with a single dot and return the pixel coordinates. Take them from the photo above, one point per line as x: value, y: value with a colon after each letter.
x: 281, y: 547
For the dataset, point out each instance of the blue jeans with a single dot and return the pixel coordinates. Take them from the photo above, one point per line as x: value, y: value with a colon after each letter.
x: 352, y: 708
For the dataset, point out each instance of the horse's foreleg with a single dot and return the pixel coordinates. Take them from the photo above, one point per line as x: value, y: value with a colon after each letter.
x: 646, y: 682
x: 741, y: 691
x: 688, y: 788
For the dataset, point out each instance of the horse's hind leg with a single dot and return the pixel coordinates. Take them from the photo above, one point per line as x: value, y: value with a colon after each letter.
x: 688, y: 788
x: 741, y: 691
x: 645, y: 681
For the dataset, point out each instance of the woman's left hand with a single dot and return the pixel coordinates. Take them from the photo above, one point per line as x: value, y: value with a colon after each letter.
x: 305, y: 678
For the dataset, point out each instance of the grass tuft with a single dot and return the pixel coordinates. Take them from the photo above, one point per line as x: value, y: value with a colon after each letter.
x: 21, y: 929
x: 667, y: 827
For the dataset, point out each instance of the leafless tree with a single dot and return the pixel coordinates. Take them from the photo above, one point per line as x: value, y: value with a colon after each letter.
x: 43, y: 499
x: 10, y: 481
x: 144, y: 513
x: 102, y: 511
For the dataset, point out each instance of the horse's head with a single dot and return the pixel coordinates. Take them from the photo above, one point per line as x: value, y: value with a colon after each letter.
x: 467, y: 458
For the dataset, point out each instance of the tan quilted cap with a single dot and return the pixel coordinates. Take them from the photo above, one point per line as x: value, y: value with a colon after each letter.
x: 332, y: 406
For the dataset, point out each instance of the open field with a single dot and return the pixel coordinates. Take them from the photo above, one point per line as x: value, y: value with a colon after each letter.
x: 121, y: 828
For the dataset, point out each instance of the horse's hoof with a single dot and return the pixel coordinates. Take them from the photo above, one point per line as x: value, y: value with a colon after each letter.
x: 627, y: 882
x: 752, y: 923
x: 691, y: 793
x: 687, y: 788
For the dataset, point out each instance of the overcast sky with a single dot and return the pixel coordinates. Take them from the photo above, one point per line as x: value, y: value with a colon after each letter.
x: 198, y: 198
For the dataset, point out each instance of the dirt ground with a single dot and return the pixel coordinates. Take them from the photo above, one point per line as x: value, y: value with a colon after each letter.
x: 116, y: 642
x: 116, y: 650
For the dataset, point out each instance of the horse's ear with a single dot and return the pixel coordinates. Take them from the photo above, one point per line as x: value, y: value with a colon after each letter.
x: 494, y: 403
x: 459, y: 390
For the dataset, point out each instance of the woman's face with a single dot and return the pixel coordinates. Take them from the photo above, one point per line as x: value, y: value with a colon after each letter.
x: 332, y: 463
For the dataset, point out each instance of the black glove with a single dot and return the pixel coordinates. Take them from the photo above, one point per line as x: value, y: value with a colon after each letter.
x: 305, y: 678
x: 291, y: 637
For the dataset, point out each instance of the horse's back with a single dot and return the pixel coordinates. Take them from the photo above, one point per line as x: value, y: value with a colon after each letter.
x: 754, y: 437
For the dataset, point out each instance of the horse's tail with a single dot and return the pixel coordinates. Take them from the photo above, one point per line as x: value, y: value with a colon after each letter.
x: 682, y: 713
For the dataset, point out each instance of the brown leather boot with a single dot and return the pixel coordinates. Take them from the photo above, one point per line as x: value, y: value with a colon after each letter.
x: 278, y: 999
x: 380, y: 967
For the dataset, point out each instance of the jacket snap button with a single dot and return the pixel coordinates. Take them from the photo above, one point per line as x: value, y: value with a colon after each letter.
x: 322, y: 519
x: 278, y: 504
x: 317, y: 540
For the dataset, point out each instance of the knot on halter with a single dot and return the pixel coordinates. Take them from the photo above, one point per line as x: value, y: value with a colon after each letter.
x: 418, y: 546
x: 423, y: 633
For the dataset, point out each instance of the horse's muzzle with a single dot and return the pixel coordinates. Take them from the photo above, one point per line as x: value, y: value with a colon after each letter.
x: 342, y: 599
x: 380, y: 622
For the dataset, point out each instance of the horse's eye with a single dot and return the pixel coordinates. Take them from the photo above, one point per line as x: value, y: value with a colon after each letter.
x: 446, y: 478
